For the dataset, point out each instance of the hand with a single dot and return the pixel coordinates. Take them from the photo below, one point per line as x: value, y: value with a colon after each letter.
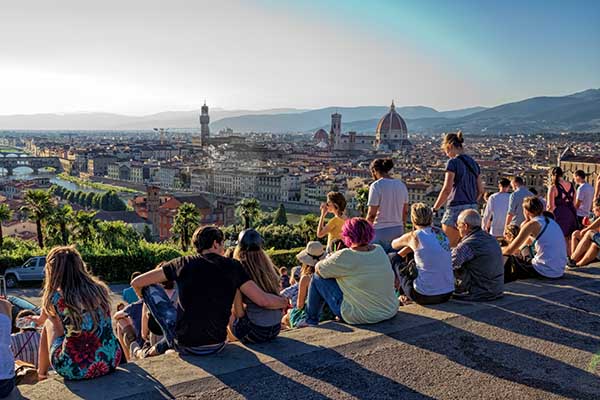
x: 323, y: 208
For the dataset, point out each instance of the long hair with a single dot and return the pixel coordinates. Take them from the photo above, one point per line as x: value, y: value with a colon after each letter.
x: 557, y: 173
x: 307, y: 269
x: 260, y: 268
x: 81, y: 291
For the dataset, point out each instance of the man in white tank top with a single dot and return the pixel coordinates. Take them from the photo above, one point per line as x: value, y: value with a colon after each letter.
x: 550, y: 246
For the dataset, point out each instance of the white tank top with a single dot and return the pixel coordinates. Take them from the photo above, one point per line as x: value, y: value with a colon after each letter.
x: 434, y: 263
x: 7, y: 361
x: 550, y: 250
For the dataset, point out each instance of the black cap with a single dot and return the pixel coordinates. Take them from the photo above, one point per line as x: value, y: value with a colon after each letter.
x: 250, y: 240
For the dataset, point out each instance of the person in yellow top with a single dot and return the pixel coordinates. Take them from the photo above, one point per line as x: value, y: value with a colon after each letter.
x: 336, y: 205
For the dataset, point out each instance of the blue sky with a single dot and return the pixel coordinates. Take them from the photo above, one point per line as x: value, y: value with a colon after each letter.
x: 139, y: 57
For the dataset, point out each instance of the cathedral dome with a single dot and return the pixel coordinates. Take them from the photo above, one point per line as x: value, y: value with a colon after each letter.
x: 391, y: 123
x: 320, y: 136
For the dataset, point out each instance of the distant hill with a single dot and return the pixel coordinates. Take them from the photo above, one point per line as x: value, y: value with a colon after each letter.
x: 576, y: 112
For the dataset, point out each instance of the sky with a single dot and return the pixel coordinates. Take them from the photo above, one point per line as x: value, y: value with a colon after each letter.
x: 141, y: 57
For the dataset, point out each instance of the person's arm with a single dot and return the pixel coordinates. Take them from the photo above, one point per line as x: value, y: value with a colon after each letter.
x: 302, y: 291
x: 461, y: 254
x: 147, y: 279
x: 480, y: 188
x: 529, y: 229
x: 597, y: 190
x: 405, y: 212
x: 446, y: 190
x: 550, y: 200
x: 578, y: 199
x: 372, y: 213
x: 5, y: 307
x: 403, y: 241
x: 594, y: 226
x: 486, y: 221
x: 145, y: 334
x: 238, y: 305
x: 322, y: 229
x: 373, y: 202
x: 262, y: 299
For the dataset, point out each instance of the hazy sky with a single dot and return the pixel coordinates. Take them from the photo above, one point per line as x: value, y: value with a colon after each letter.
x: 146, y: 56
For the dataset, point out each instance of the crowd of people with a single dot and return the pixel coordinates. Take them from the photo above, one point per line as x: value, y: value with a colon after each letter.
x: 369, y: 267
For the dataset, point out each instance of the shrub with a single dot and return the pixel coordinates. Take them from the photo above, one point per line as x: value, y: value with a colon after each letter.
x: 285, y: 258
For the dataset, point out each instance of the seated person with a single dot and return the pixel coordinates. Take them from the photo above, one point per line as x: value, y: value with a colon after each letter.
x: 7, y: 361
x: 357, y: 283
x: 586, y: 243
x: 129, y: 294
x: 284, y: 278
x: 25, y: 344
x: 251, y: 322
x: 434, y: 282
x: 207, y: 283
x: 291, y: 292
x: 477, y: 260
x: 550, y: 246
x: 128, y: 322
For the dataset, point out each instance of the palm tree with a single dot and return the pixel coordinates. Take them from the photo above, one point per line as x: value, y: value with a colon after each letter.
x: 248, y: 210
x: 61, y: 218
x: 5, y: 215
x: 186, y: 221
x: 38, y: 206
x: 85, y: 225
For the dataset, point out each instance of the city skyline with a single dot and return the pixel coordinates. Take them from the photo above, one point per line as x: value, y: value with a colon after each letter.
x: 140, y: 58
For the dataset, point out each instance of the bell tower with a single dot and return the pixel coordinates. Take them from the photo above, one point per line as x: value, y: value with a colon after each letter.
x: 204, y: 121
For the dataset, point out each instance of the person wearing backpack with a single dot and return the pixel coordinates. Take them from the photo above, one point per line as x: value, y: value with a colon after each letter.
x: 550, y: 248
x: 462, y: 185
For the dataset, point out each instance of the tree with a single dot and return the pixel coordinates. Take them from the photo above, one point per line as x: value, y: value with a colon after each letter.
x: 61, y: 218
x: 186, y: 221
x: 116, y: 235
x: 70, y: 196
x: 89, y: 198
x: 308, y: 227
x: 280, y: 217
x: 85, y: 225
x: 248, y: 210
x: 362, y: 198
x: 147, y: 234
x: 38, y: 206
x: 5, y: 215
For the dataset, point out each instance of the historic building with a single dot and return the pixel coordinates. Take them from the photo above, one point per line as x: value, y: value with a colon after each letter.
x: 349, y: 142
x: 569, y: 163
x: 199, y: 141
x: 391, y: 132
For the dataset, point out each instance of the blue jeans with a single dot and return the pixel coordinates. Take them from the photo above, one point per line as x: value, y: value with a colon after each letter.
x: 6, y: 387
x: 323, y: 291
x: 165, y: 314
x: 385, y: 236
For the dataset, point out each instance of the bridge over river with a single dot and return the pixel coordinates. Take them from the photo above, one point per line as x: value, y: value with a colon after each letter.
x: 35, y: 163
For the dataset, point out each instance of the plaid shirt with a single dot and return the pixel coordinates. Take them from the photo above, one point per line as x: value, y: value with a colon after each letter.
x: 461, y: 254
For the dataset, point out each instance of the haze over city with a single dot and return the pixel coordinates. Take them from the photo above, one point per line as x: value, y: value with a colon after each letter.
x: 140, y: 57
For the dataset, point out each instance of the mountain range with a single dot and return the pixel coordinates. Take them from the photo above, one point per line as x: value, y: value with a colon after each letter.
x: 576, y: 112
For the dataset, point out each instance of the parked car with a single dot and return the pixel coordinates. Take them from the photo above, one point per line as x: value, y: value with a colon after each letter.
x: 31, y: 271
x: 20, y: 304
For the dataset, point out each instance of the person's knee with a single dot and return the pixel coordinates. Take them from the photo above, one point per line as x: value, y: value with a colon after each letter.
x: 576, y: 235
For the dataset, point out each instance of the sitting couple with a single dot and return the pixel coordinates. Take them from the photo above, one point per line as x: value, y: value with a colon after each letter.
x: 214, y: 293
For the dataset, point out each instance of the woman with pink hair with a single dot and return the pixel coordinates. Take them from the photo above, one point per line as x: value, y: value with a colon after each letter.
x: 357, y: 283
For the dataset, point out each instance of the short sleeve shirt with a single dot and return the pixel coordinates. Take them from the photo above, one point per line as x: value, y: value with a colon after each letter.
x: 335, y: 225
x: 585, y: 194
x: 207, y: 285
x: 390, y: 195
x: 466, y: 172
x: 515, y: 205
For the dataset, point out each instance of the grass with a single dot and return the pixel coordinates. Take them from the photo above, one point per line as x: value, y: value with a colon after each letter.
x: 95, y: 185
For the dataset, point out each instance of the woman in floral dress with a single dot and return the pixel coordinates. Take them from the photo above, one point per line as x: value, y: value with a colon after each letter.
x: 77, y: 342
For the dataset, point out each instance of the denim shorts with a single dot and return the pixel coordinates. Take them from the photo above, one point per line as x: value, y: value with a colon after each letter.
x: 248, y: 332
x: 596, y: 238
x: 451, y: 214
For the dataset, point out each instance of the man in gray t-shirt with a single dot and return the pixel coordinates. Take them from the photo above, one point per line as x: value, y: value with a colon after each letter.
x: 515, y: 203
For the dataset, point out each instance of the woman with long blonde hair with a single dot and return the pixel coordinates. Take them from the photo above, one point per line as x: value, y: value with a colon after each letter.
x: 77, y: 339
x: 252, y: 323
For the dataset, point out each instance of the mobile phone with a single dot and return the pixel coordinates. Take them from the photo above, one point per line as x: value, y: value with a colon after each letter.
x: 2, y: 286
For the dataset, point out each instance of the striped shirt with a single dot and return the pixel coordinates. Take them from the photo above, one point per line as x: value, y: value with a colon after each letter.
x: 28, y: 342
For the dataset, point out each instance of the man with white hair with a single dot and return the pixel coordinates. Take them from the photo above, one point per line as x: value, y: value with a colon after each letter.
x: 477, y: 261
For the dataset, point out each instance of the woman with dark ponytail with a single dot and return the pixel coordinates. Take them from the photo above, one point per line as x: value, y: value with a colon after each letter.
x: 388, y: 204
x: 561, y: 202
x: 462, y: 185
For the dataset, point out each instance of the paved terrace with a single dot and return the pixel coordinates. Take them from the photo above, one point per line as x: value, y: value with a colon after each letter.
x: 541, y: 341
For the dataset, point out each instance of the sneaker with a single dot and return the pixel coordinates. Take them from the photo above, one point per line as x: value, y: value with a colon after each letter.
x: 571, y: 264
x: 304, y: 324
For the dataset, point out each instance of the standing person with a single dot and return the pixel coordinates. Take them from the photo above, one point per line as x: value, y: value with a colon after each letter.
x: 253, y: 323
x: 515, y: 214
x: 77, y: 339
x: 388, y: 204
x: 25, y: 344
x: 207, y: 283
x: 434, y: 282
x: 561, y: 202
x: 462, y: 185
x: 336, y: 205
x: 550, y: 247
x: 496, y: 209
x: 357, y: 283
x: 584, y: 197
x: 7, y: 361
